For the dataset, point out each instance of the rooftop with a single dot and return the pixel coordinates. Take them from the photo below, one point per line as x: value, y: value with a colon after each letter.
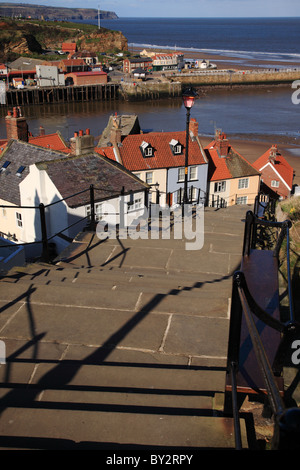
x: 20, y: 154
x: 164, y: 157
x: 226, y: 162
x: 278, y: 163
x: 76, y: 173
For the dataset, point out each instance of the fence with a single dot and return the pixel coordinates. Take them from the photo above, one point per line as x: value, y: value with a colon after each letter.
x: 244, y: 305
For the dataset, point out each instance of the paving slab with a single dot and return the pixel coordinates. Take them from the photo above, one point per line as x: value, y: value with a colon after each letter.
x: 120, y: 344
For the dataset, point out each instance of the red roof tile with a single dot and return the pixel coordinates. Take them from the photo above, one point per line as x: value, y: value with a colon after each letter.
x: 133, y: 159
x: 281, y: 165
x: 51, y: 141
x: 231, y: 165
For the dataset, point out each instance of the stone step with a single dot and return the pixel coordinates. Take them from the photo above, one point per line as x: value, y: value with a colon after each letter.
x: 134, y: 280
x: 99, y: 398
x: 192, y: 302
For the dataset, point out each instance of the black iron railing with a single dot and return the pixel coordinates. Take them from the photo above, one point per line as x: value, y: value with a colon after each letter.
x: 90, y: 219
x: 286, y: 420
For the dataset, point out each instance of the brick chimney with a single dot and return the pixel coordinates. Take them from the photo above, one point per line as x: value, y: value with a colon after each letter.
x: 41, y: 130
x: 222, y: 143
x: 116, y: 132
x: 194, y: 127
x: 82, y: 144
x: 16, y: 125
x: 273, y: 153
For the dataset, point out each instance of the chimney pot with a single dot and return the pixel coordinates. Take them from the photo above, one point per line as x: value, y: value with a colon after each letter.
x: 81, y: 132
x: 87, y: 131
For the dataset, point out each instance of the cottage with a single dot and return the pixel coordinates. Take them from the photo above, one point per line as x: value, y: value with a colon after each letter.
x: 231, y: 177
x: 158, y: 158
x: 276, y: 173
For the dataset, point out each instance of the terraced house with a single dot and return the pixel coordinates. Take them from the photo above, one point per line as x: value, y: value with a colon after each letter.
x: 231, y: 177
x: 158, y: 158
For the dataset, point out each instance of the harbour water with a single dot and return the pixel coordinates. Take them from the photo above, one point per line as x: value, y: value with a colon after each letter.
x: 253, y: 112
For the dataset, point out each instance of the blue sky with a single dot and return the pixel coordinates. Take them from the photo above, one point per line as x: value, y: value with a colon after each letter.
x: 185, y: 8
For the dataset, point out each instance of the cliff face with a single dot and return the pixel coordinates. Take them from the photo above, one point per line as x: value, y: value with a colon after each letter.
x: 25, y: 37
x: 52, y: 13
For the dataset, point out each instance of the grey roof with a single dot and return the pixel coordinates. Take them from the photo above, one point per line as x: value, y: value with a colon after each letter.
x: 25, y: 63
x: 73, y: 174
x: 20, y: 153
x: 129, y: 124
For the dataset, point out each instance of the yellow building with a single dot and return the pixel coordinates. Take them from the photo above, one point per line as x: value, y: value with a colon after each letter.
x: 232, y: 179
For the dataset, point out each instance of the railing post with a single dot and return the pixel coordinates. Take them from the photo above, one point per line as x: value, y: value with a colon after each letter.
x: 45, y: 251
x: 92, y: 203
x: 247, y: 233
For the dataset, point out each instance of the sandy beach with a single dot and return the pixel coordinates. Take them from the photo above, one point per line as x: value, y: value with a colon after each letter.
x: 224, y: 62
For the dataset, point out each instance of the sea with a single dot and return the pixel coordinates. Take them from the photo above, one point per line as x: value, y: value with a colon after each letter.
x: 258, y: 113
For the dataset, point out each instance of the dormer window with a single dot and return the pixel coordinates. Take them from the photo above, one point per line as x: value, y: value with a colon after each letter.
x: 176, y: 147
x: 147, y: 150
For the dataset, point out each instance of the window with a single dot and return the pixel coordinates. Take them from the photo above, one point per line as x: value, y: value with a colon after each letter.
x: 275, y: 184
x: 148, y: 152
x: 193, y: 173
x: 180, y: 174
x: 19, y: 219
x: 137, y: 203
x: 98, y: 211
x: 193, y: 194
x: 20, y: 171
x: 176, y: 147
x: 149, y: 177
x: 220, y: 186
x: 241, y: 200
x: 146, y: 149
x: 243, y: 183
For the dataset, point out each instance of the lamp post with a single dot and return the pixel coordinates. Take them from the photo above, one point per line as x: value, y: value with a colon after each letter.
x: 189, y: 95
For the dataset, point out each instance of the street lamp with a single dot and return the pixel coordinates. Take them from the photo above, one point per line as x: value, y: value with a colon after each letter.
x: 189, y: 95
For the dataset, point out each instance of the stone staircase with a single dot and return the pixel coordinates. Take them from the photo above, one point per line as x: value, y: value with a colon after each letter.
x: 121, y: 344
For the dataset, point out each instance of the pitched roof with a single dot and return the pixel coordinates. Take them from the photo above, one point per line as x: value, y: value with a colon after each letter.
x: 20, y: 154
x: 279, y: 165
x: 133, y: 160
x: 129, y: 124
x: 76, y: 173
x: 228, y: 166
x: 53, y: 141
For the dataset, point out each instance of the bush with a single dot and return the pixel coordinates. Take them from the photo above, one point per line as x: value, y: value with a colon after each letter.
x: 291, y: 208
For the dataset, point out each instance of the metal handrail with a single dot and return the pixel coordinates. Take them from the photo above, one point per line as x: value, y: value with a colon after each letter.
x: 287, y: 421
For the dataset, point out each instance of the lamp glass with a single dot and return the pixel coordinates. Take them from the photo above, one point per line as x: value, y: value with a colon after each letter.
x: 188, y: 101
